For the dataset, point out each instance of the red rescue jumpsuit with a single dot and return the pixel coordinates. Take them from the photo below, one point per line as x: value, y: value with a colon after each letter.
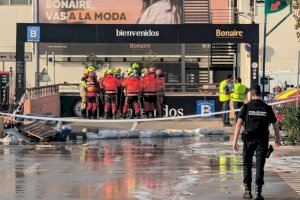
x: 91, y: 95
x: 149, y: 93
x: 111, y: 88
x: 133, y: 90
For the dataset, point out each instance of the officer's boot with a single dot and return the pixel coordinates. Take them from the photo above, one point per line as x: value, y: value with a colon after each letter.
x: 94, y: 114
x: 247, y: 193
x: 114, y: 115
x: 83, y: 113
x: 89, y: 114
x: 258, y: 191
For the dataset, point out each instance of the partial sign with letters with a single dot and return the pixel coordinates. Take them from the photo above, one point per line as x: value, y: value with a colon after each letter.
x: 11, y: 57
x: 205, y: 107
x: 33, y: 33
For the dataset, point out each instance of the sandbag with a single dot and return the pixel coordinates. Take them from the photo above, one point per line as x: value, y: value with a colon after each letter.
x: 107, y: 134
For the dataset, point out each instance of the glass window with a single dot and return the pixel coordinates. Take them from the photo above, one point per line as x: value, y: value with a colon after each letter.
x: 4, y: 2
x: 20, y: 2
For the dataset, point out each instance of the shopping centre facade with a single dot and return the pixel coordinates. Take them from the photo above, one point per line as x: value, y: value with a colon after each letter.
x: 188, y: 66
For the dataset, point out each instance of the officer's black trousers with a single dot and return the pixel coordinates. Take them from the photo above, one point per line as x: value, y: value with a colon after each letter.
x: 260, y: 147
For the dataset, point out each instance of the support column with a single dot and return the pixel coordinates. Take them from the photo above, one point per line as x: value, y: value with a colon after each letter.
x: 36, y: 45
x: 183, y: 87
x: 254, y: 66
x: 20, y: 70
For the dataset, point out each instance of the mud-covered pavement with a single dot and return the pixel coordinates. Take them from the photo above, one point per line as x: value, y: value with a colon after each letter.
x: 175, y: 168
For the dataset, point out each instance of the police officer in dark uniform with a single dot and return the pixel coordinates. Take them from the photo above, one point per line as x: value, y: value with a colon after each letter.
x: 257, y: 116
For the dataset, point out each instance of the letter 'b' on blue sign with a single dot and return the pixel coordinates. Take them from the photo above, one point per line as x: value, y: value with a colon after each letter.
x: 33, y: 33
x: 205, y: 107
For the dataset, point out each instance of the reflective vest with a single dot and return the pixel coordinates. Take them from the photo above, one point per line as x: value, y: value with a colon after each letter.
x: 222, y: 96
x: 92, y: 89
x: 238, y: 93
x: 82, y: 88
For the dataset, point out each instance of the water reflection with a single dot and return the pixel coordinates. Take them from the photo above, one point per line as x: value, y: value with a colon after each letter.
x: 115, y: 169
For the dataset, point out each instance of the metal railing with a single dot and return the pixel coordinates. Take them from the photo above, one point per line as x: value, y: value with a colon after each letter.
x: 42, y: 91
x: 209, y: 89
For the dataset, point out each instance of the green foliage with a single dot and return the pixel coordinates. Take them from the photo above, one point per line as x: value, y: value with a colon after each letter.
x: 296, y: 8
x: 291, y: 123
x: 93, y: 60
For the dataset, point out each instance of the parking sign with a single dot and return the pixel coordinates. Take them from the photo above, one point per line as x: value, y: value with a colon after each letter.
x: 205, y: 107
x: 33, y: 33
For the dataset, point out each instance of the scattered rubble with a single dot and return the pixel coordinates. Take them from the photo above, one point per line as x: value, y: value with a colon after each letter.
x: 13, y: 137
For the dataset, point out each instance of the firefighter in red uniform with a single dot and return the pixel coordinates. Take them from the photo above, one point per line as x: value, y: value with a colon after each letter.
x: 149, y: 91
x: 91, y: 94
x: 133, y: 90
x: 160, y: 91
x: 111, y: 89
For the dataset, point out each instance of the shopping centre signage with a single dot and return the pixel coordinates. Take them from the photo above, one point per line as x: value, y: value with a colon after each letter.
x: 131, y: 33
x: 146, y: 33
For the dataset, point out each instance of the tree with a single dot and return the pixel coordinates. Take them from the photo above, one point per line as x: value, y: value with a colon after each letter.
x: 296, y: 7
x: 149, y: 59
x: 93, y: 60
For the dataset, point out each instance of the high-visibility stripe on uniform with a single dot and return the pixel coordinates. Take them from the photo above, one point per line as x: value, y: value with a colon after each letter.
x: 238, y: 94
x: 222, y: 96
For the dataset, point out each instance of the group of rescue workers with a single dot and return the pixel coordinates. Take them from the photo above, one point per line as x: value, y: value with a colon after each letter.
x: 113, y: 94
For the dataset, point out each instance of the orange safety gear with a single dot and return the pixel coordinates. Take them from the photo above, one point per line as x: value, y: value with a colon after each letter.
x: 91, y: 87
x: 149, y: 84
x: 132, y: 85
x: 160, y: 84
x: 111, y: 84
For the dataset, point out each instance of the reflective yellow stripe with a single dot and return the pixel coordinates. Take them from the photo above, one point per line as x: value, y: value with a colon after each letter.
x: 239, y: 91
x: 223, y: 97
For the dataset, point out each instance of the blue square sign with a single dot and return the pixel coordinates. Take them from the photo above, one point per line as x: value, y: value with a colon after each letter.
x: 205, y: 107
x: 33, y: 33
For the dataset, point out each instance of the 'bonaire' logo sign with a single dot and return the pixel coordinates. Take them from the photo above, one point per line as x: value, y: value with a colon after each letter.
x: 229, y: 34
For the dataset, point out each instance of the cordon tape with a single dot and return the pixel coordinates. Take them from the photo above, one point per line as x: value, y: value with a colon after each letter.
x: 132, y: 120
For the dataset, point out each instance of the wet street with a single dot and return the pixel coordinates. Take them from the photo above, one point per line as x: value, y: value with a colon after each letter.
x: 176, y: 168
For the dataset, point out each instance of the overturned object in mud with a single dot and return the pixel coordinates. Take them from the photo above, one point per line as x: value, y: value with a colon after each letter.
x: 13, y: 137
x: 39, y: 130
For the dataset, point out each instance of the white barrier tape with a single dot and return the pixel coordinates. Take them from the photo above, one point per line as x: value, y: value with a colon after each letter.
x: 131, y: 120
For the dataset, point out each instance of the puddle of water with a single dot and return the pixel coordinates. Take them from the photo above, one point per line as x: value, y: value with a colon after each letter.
x: 119, y: 169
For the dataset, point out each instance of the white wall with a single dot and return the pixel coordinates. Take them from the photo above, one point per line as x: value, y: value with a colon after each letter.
x: 9, y: 17
x: 282, y: 47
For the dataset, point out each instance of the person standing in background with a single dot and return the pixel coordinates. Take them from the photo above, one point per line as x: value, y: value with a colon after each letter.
x: 224, y: 97
x: 238, y: 95
x: 82, y: 91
